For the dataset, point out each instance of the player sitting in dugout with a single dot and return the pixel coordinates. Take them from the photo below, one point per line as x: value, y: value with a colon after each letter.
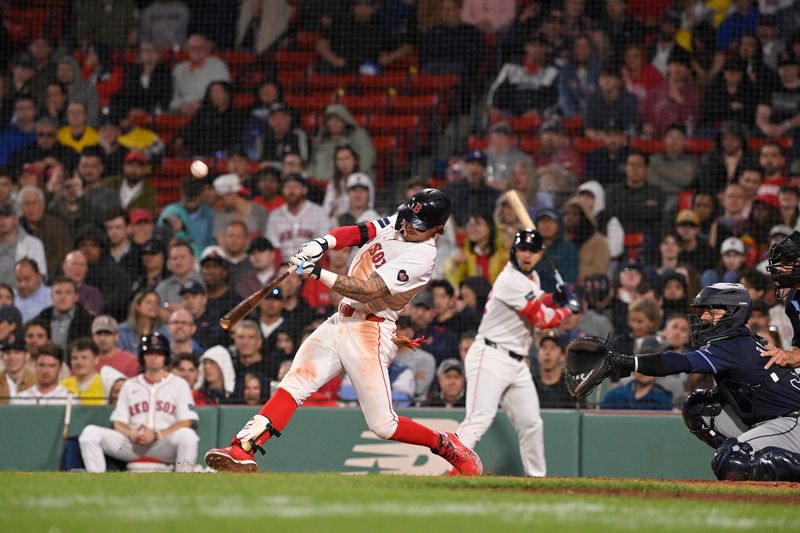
x: 750, y: 417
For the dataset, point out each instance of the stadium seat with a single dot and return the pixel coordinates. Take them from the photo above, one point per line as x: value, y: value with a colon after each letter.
x: 385, y: 81
x: 329, y: 82
x: 243, y: 101
x: 316, y: 102
x: 583, y: 145
x: 432, y: 83
x: 175, y: 167
x: 699, y: 146
x: 477, y: 142
x: 524, y: 124
x: 529, y: 144
x: 413, y: 105
x: 573, y: 126
x: 365, y: 103
x: 648, y: 146
x: 287, y: 60
x: 307, y: 40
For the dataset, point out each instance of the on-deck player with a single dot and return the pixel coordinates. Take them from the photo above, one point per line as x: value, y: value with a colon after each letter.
x: 496, y: 364
x: 394, y: 263
x: 152, y: 418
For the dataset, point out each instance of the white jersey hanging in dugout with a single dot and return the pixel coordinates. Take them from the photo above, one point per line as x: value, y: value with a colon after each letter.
x: 405, y: 267
x: 154, y: 405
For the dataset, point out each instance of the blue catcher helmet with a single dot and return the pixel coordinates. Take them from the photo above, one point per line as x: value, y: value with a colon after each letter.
x: 732, y: 297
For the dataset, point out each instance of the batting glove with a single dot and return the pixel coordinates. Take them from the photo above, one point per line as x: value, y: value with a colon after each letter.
x: 313, y: 250
x: 312, y: 270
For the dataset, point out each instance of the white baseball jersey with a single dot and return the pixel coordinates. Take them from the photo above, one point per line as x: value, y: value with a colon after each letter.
x: 154, y: 405
x: 33, y: 396
x: 288, y: 231
x: 405, y: 267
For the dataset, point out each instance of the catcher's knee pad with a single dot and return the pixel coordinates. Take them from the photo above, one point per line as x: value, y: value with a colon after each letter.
x: 733, y: 461
x: 698, y: 404
x: 736, y: 461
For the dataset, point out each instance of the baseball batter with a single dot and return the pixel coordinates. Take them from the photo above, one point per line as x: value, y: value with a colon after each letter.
x: 152, y: 418
x: 394, y: 263
x: 496, y: 364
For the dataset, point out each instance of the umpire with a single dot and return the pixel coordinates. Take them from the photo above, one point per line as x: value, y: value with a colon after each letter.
x: 784, y: 268
x: 750, y: 418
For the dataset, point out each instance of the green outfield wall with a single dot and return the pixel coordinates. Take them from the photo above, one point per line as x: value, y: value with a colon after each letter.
x: 587, y: 443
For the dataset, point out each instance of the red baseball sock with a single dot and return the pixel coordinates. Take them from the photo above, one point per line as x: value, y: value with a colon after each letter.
x: 279, y: 409
x: 410, y: 432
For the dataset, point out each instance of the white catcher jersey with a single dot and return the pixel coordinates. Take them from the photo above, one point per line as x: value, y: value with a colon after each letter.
x: 288, y: 231
x: 501, y: 323
x: 154, y: 405
x: 406, y: 267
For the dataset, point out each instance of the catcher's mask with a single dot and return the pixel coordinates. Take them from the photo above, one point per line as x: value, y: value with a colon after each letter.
x: 731, y: 297
x: 784, y: 262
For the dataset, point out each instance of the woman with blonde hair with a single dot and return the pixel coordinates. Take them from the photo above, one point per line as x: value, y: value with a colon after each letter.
x: 143, y: 318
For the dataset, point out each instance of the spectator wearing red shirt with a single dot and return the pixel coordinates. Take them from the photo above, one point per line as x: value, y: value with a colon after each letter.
x: 675, y: 102
x: 638, y: 76
x: 773, y: 162
x: 105, y: 332
x: 267, y: 188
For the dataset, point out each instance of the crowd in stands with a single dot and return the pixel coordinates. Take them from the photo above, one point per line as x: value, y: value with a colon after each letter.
x: 656, y: 145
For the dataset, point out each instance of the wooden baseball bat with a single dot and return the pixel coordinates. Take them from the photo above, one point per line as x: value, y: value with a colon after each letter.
x: 245, y: 306
x: 65, y: 432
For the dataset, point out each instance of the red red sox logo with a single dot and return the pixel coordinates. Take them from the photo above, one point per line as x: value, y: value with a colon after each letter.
x: 416, y: 208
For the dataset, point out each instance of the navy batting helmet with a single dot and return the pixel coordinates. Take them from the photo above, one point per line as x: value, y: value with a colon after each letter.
x: 733, y: 298
x: 154, y: 343
x: 426, y: 209
x: 525, y: 239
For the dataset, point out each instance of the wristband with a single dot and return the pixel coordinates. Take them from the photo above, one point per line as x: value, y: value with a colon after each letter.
x: 330, y: 240
x: 327, y: 277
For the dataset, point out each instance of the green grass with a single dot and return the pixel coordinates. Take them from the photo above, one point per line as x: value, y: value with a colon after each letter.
x: 149, y: 503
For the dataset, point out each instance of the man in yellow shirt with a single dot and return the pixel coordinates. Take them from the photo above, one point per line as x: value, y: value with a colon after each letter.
x: 89, y: 386
x: 77, y: 134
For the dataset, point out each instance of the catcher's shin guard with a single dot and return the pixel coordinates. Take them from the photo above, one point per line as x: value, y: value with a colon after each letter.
x: 736, y: 461
x: 698, y: 404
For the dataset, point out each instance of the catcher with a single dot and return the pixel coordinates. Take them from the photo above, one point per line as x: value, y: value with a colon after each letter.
x: 750, y: 417
x: 784, y: 268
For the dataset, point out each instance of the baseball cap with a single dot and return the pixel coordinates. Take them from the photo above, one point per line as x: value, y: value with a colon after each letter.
x: 295, y: 176
x: 633, y: 265
x: 137, y: 156
x: 550, y: 335
x: 153, y: 246
x: 423, y: 299
x: 501, y: 127
x: 548, y: 212
x: 552, y: 125
x: 227, y: 184
x: 279, y: 107
x: 91, y: 233
x: 476, y: 156
x: 780, y: 229
x: 192, y: 287
x: 275, y: 294
x: 769, y: 199
x: 450, y: 364
x: 260, y: 244
x: 140, y: 214
x: 649, y: 344
x: 14, y: 341
x: 731, y: 244
x: 213, y: 253
x: 104, y: 323
x: 7, y: 208
x: 358, y: 179
x: 33, y: 168
x: 687, y: 217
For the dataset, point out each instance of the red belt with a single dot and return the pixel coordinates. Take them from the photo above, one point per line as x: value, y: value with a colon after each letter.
x: 348, y: 311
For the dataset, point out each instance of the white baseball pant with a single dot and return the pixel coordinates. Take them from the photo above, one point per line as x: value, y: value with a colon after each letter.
x: 179, y: 447
x: 364, y: 349
x: 494, y: 378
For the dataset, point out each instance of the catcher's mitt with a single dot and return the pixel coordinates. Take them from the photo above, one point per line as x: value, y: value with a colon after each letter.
x: 588, y: 362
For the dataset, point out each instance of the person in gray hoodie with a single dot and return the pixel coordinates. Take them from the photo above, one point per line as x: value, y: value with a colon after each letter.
x: 69, y: 75
x: 339, y: 128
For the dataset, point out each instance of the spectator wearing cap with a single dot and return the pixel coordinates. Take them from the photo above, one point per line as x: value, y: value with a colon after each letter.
x: 152, y: 265
x: 611, y: 106
x: 731, y: 96
x: 190, y: 218
x: 440, y: 342
x: 21, y: 131
x: 420, y: 361
x: 218, y: 125
x: 606, y: 164
x: 31, y: 295
x: 638, y: 205
x: 580, y: 229
x: 271, y: 319
x: 183, y: 265
x: 112, y: 280
x: 298, y: 220
x: 134, y: 189
x: 209, y: 333
x: 743, y: 18
x: 105, y: 334
x: 16, y: 377
x: 21, y: 76
x: 215, y: 271
x: 549, y: 380
x: 501, y: 155
x: 776, y: 234
x: 527, y: 87
x: 261, y: 256
x: 233, y: 249
x: 108, y: 145
x: 732, y: 261
x: 75, y: 267
x: 451, y: 385
x: 360, y: 192
x: 562, y: 253
x: 67, y: 317
x: 192, y: 77
x: 675, y: 102
x: 578, y: 78
x: 237, y: 207
x: 730, y: 155
x: 44, y: 147
x: 48, y: 228
x: 695, y: 250
x: 15, y: 244
x: 338, y: 128
x: 673, y: 170
x: 48, y: 362
x: 279, y: 135
x: 471, y: 194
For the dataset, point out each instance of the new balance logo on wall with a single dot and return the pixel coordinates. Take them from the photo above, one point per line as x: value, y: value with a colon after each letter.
x: 392, y: 457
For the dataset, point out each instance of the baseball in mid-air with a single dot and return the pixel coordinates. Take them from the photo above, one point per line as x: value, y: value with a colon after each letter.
x: 199, y: 169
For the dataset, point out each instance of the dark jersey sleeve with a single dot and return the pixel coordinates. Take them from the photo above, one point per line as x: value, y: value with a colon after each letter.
x: 721, y: 356
x: 792, y: 310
